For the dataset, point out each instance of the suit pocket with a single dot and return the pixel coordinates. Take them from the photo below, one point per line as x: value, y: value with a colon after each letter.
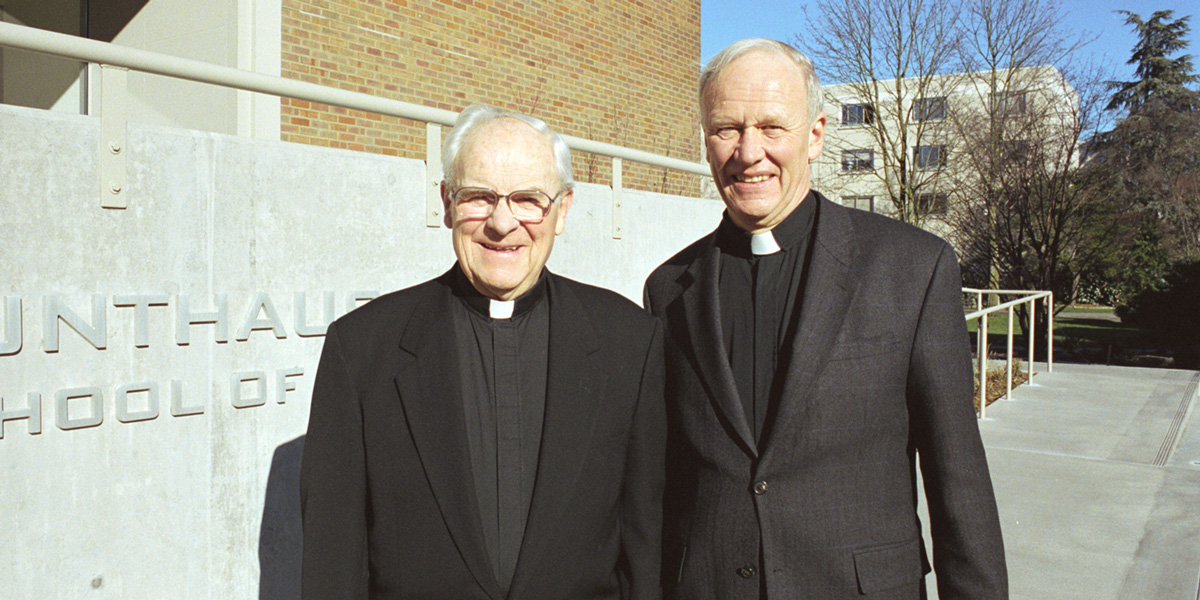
x: 883, y: 567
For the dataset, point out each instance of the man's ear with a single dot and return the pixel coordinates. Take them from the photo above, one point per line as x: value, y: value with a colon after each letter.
x: 816, y: 137
x: 446, y: 216
x: 564, y: 205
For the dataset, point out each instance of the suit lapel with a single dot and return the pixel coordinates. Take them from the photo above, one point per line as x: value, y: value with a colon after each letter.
x: 572, y: 401
x: 827, y: 295
x: 428, y: 383
x: 701, y: 310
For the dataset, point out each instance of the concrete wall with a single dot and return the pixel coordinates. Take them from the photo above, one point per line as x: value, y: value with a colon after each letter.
x: 146, y: 453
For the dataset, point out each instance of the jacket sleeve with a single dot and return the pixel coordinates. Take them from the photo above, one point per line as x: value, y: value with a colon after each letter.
x: 968, y: 553
x: 333, y: 484
x: 642, y: 489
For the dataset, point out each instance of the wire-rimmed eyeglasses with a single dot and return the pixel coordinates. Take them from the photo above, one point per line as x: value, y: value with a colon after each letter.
x: 526, y: 206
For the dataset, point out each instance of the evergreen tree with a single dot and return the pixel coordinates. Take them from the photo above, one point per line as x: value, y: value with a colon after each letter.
x: 1157, y: 75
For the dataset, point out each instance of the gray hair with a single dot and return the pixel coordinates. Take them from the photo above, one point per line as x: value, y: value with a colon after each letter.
x: 478, y: 115
x: 812, y: 85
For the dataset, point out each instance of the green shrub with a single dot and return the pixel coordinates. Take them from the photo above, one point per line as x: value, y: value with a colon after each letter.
x: 1171, y: 313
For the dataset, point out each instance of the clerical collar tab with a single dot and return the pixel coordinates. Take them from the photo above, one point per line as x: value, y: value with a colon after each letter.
x: 501, y: 309
x: 763, y: 243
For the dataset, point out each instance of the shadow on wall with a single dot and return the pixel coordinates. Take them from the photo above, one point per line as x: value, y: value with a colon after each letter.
x: 280, y: 540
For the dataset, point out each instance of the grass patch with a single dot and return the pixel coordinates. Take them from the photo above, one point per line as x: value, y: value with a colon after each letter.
x: 1088, y: 331
x: 1078, y: 326
x: 1102, y: 310
x: 998, y: 324
x: 1086, y: 334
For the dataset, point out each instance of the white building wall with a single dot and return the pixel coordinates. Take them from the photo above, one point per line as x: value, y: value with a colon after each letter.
x: 1047, y: 95
x: 244, y: 34
x: 38, y: 80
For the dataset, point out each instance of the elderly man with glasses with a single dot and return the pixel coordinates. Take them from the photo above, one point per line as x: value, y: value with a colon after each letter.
x: 497, y: 432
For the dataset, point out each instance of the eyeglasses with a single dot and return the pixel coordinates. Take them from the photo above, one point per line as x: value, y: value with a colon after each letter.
x: 526, y: 206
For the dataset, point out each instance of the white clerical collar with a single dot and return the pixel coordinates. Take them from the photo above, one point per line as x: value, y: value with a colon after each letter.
x: 763, y: 243
x: 501, y: 309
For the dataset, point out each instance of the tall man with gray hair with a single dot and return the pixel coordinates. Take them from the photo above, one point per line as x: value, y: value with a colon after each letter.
x: 815, y: 355
x: 497, y: 432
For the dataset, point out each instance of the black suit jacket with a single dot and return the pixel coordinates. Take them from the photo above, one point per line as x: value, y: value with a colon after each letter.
x: 879, y: 373
x: 386, y: 488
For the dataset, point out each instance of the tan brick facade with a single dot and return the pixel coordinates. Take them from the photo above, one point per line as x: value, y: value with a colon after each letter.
x: 610, y: 70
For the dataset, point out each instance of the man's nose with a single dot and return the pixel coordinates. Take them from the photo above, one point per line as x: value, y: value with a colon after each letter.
x: 750, y: 146
x: 502, y: 220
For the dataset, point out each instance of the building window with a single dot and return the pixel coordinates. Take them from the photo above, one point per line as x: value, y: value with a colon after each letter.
x: 858, y: 114
x: 866, y: 203
x: 931, y: 204
x: 1008, y: 103
x: 930, y: 157
x: 858, y: 160
x: 930, y: 109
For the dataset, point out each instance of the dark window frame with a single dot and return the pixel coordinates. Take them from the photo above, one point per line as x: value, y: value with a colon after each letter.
x: 929, y: 157
x: 1008, y: 104
x: 859, y: 114
x: 932, y: 108
x: 854, y: 202
x: 853, y: 161
x: 937, y: 203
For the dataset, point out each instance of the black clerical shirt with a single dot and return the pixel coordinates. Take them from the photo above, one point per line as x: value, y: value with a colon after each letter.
x: 759, y: 300
x: 502, y: 366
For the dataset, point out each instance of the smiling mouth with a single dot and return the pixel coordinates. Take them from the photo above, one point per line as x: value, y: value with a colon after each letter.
x: 499, y: 248
x: 751, y: 178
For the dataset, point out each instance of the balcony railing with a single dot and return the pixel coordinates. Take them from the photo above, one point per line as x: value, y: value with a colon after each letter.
x: 981, y: 335
x: 114, y: 60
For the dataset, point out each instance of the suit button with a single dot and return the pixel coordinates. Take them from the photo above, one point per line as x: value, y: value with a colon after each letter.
x: 745, y: 572
x: 760, y: 488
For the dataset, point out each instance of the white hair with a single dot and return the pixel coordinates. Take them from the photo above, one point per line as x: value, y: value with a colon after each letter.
x: 478, y: 115
x: 812, y: 85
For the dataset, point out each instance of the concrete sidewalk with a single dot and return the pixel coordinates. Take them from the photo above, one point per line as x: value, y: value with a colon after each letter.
x: 1097, y: 475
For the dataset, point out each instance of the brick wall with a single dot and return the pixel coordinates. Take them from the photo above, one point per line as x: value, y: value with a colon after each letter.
x: 616, y: 71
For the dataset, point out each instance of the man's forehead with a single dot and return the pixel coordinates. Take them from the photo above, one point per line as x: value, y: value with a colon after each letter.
x: 751, y: 113
x: 504, y: 131
x: 506, y: 148
x: 757, y: 78
x: 508, y: 138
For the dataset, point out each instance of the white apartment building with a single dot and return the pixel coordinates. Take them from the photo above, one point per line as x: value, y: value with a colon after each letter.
x: 920, y: 139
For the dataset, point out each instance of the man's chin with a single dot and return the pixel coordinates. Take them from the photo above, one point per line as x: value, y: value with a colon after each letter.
x: 505, y: 288
x: 751, y: 208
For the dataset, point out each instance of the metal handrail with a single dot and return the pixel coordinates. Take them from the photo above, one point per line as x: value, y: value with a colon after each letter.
x: 94, y: 51
x: 1029, y: 297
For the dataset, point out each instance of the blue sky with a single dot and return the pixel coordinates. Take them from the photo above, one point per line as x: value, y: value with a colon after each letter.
x: 723, y: 22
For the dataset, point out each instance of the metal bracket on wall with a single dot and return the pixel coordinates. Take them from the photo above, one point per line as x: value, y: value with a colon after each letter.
x: 617, y: 219
x: 433, y: 175
x: 114, y: 92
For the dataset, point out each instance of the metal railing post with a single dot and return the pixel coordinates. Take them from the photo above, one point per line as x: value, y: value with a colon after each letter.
x: 1050, y: 333
x: 114, y: 95
x: 1029, y: 333
x: 617, y: 218
x: 981, y: 334
x: 433, y: 175
x: 1008, y: 366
